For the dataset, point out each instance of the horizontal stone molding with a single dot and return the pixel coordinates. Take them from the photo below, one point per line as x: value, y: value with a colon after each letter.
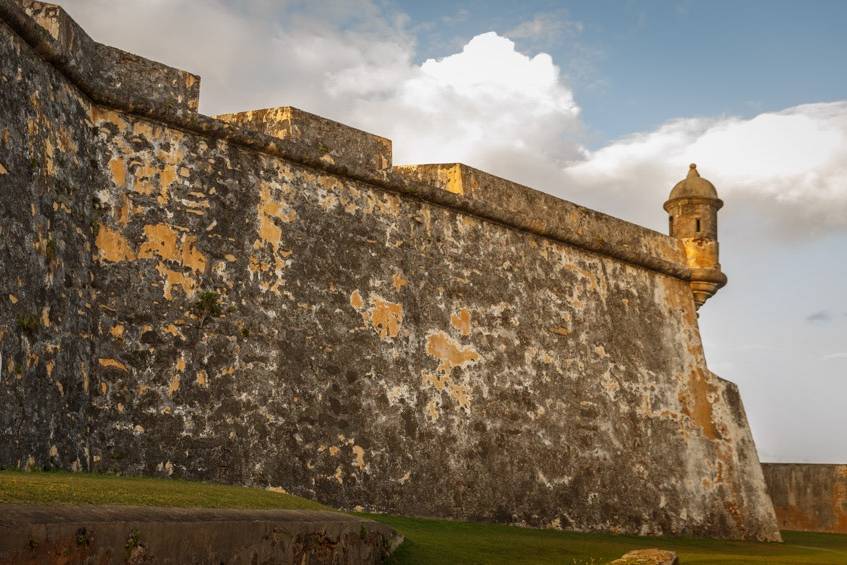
x: 163, y: 94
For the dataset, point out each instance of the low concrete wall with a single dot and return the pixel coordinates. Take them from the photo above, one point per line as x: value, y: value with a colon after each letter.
x: 808, y: 497
x: 103, y: 535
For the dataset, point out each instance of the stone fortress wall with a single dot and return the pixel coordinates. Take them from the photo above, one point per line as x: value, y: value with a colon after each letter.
x: 808, y: 496
x: 262, y: 298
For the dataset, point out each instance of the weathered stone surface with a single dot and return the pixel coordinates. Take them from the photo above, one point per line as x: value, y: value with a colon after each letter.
x: 120, y: 77
x: 553, y: 217
x: 647, y: 557
x: 47, y: 212
x: 807, y: 496
x: 228, y: 305
x: 47, y: 535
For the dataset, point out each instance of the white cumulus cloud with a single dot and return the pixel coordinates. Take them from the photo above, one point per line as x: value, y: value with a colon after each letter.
x: 793, y: 163
x: 488, y: 106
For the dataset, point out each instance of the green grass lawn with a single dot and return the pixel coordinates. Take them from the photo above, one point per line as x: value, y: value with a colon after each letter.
x: 427, y: 541
x: 444, y: 541
x: 56, y: 487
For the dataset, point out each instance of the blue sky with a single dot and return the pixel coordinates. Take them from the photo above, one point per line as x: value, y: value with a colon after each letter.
x: 602, y: 103
x: 648, y: 62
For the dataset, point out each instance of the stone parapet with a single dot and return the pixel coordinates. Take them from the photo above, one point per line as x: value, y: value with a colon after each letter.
x: 339, y: 143
x: 107, y: 74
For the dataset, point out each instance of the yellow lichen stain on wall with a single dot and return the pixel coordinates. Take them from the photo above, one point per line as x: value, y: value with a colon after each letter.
x: 384, y: 203
x: 143, y: 129
x: 112, y: 246
x: 450, y: 355
x: 173, y: 330
x: 143, y: 179
x: 431, y: 410
x: 385, y: 317
x: 398, y: 282
x: 166, y: 179
x: 449, y: 352
x: 697, y: 404
x: 327, y: 201
x: 165, y: 242
x: 101, y: 115
x: 461, y: 321
x: 117, y: 165
x: 358, y: 457
x: 109, y: 363
x: 173, y: 279
x: 438, y: 382
x: 356, y: 300
x: 49, y: 162
x: 269, y: 210
x: 191, y: 256
x: 173, y: 385
x: 161, y: 240
x: 461, y: 394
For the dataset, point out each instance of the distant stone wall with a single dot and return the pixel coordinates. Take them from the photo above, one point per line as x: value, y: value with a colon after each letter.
x: 292, y: 311
x: 809, y: 497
